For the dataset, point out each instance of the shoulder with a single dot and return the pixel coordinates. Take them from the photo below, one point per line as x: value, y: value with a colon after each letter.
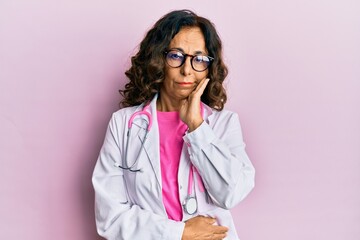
x: 125, y: 111
x: 214, y: 115
x: 121, y: 116
x: 225, y: 118
x: 224, y: 112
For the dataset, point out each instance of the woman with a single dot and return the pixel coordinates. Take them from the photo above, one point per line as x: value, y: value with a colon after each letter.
x: 182, y: 166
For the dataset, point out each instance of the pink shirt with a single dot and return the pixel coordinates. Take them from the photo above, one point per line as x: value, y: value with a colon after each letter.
x: 171, y: 130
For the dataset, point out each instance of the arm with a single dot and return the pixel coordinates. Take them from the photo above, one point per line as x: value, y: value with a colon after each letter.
x: 218, y: 152
x: 116, y: 217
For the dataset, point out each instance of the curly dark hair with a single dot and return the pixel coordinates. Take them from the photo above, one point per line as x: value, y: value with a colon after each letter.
x: 147, y: 72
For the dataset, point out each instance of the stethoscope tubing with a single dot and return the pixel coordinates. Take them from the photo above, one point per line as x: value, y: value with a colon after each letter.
x: 128, y: 135
x: 189, y: 200
x: 125, y: 165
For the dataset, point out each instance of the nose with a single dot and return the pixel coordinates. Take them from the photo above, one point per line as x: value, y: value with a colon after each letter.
x: 186, y: 67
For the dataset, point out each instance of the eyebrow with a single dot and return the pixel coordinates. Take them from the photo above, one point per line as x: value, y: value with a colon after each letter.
x: 196, y: 52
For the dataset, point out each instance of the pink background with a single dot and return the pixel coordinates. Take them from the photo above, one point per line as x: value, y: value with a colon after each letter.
x: 294, y: 80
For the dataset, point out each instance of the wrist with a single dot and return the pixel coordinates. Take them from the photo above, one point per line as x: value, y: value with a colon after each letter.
x: 194, y: 125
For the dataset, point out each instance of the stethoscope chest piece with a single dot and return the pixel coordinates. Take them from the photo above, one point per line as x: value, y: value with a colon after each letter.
x: 190, y: 205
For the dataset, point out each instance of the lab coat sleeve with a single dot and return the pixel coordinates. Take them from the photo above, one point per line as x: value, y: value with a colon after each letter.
x: 116, y: 217
x: 218, y: 153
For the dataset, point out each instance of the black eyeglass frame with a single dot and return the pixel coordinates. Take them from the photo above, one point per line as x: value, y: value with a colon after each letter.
x: 185, y: 57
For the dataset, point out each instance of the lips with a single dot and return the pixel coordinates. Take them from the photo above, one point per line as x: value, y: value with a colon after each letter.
x: 185, y: 83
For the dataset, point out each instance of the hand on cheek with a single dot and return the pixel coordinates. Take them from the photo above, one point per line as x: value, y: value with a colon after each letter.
x: 190, y: 112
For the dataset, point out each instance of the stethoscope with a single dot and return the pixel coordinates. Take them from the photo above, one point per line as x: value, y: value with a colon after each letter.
x: 128, y: 135
x: 190, y: 202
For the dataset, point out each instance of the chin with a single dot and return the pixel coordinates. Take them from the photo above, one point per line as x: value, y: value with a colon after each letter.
x: 183, y: 94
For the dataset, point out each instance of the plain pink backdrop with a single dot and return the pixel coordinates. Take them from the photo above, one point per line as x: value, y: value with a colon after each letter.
x: 294, y: 80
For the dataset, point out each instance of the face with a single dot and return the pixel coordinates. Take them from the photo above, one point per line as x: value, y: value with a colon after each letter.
x: 180, y: 82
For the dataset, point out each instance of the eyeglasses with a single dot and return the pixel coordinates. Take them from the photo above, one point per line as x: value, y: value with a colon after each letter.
x: 199, y: 63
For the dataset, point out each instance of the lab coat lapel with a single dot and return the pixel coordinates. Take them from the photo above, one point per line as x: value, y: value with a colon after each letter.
x: 152, y: 143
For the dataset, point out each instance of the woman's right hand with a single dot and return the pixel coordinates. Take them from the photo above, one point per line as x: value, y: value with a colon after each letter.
x: 201, y: 228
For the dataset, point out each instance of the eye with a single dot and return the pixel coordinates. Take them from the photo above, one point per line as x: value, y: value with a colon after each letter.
x: 201, y: 59
x: 175, y: 55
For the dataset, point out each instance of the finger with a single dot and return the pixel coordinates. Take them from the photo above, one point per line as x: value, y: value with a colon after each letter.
x: 219, y: 236
x: 220, y: 229
x: 184, y: 101
x: 205, y: 218
x: 210, y: 220
x: 200, y: 88
x: 204, y: 84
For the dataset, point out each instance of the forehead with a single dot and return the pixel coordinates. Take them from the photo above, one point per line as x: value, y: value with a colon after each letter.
x: 189, y: 39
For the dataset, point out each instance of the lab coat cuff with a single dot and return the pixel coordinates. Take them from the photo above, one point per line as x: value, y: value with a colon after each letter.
x: 200, y: 137
x: 174, y: 231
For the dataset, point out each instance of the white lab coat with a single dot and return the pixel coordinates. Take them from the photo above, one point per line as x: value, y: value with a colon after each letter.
x: 128, y: 205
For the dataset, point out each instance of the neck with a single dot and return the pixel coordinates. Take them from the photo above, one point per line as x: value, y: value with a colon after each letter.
x: 165, y: 104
